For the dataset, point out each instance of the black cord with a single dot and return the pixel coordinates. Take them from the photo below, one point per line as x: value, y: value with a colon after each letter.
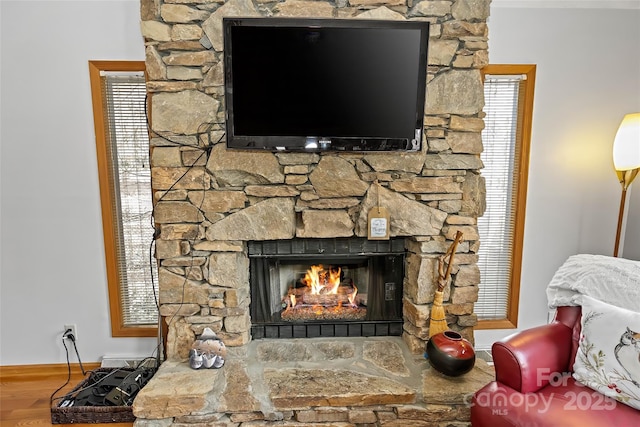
x: 73, y: 340
x: 94, y: 379
x: 68, y: 374
x: 203, y: 130
x: 69, y: 335
x: 205, y: 151
x: 153, y: 287
x: 151, y: 258
x: 153, y: 282
x: 208, y: 127
x: 143, y: 361
x: 204, y: 189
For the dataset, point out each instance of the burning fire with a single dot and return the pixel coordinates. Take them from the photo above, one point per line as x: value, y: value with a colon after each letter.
x: 322, y: 291
x: 322, y: 281
x: 352, y: 297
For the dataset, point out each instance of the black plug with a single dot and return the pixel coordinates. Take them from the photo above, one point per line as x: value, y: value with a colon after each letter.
x: 68, y: 334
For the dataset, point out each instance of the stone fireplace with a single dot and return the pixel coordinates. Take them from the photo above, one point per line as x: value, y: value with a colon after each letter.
x: 215, y: 206
x: 204, y: 261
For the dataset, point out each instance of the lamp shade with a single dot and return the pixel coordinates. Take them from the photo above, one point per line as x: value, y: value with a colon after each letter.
x: 626, y: 146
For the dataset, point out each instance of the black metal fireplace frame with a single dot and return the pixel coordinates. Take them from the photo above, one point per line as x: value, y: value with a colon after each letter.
x: 390, y: 251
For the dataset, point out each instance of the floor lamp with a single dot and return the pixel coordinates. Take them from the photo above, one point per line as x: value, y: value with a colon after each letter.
x: 626, y: 160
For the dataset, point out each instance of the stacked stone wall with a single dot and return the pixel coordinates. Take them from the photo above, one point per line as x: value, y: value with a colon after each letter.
x: 210, y: 201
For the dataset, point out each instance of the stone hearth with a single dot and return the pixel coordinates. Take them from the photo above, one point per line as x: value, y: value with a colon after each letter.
x: 362, y: 382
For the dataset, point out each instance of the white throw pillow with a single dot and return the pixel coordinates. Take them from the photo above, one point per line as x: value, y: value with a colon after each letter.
x: 608, y: 358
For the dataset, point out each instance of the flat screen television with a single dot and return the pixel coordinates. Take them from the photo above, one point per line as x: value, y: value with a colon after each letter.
x: 309, y: 84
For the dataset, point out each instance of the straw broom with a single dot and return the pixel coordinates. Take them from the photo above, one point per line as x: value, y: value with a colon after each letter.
x: 438, y: 321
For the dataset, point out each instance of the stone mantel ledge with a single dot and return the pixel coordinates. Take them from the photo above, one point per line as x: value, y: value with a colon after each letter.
x: 310, y: 382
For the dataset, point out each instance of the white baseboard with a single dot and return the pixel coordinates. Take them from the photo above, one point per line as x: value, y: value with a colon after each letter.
x: 124, y: 361
x: 567, y: 4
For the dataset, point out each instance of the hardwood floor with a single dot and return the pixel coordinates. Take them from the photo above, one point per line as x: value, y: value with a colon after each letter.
x: 25, y: 393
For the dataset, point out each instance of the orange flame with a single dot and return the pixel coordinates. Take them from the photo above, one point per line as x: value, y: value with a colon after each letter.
x: 352, y: 297
x: 322, y: 281
x: 334, y: 280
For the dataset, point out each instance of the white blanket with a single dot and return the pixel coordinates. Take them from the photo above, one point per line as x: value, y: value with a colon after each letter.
x: 615, y: 281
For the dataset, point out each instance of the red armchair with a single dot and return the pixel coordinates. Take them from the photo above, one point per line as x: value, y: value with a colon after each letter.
x: 534, y: 387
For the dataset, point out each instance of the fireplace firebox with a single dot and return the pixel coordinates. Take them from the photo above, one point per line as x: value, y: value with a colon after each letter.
x: 306, y: 288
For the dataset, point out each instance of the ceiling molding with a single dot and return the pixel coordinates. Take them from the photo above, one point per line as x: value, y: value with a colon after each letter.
x: 567, y: 4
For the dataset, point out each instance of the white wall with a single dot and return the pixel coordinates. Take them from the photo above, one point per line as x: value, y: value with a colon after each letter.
x: 53, y: 270
x: 52, y: 261
x: 588, y: 78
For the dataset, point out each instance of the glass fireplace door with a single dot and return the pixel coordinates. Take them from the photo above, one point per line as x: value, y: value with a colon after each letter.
x: 359, y: 292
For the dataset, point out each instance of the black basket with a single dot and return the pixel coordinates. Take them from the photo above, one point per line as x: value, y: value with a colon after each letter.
x: 92, y: 414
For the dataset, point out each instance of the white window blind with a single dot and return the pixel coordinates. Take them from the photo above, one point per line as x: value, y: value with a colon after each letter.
x: 128, y: 151
x: 497, y: 226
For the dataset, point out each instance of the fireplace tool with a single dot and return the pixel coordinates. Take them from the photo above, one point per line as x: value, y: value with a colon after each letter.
x: 438, y: 321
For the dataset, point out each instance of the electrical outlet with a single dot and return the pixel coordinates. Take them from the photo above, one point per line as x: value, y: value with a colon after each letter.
x: 73, y: 331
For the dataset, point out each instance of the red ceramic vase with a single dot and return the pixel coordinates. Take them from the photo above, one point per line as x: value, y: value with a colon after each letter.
x: 450, y: 354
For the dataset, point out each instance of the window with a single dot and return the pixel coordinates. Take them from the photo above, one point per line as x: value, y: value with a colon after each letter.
x: 508, y: 94
x: 122, y: 144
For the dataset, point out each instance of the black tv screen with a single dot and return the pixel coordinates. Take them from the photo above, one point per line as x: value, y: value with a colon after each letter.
x: 324, y: 84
